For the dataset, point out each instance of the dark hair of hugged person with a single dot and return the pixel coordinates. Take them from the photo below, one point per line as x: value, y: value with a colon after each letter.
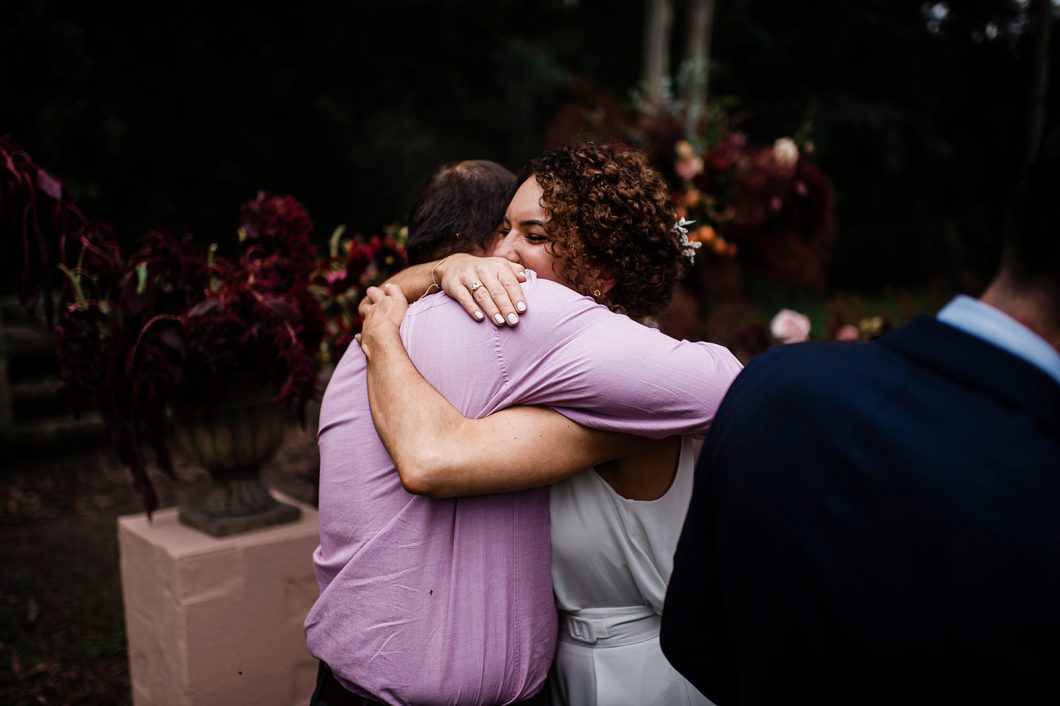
x: 458, y: 210
x: 611, y: 217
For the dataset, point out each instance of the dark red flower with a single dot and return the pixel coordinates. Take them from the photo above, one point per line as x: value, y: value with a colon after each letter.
x: 174, y: 326
x: 278, y: 229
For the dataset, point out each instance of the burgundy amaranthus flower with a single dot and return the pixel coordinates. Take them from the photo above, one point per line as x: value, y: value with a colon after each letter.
x: 38, y: 224
x: 79, y: 348
x: 389, y: 255
x: 275, y: 233
x: 170, y: 326
x: 359, y: 258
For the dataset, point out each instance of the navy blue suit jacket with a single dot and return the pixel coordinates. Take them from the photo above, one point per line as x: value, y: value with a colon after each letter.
x: 875, y: 523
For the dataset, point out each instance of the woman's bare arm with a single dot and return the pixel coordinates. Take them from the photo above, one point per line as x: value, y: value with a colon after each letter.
x: 441, y: 453
x: 413, y: 281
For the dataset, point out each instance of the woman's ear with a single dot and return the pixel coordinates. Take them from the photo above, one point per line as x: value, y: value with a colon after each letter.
x: 603, y: 279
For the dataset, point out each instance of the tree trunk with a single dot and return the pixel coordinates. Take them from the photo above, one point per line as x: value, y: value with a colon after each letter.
x: 697, y: 61
x: 1043, y: 22
x: 656, y: 52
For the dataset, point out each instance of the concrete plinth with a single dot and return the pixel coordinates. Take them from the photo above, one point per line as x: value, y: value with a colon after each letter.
x: 218, y: 620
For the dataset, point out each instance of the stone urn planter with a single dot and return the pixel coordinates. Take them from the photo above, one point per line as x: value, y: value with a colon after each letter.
x: 232, y: 441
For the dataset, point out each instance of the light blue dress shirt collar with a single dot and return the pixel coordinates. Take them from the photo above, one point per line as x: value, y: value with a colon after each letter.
x: 983, y: 321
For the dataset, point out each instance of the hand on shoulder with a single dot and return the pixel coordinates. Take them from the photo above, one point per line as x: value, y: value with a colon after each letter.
x: 486, y: 287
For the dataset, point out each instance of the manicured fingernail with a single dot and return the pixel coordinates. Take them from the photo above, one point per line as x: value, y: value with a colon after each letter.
x: 479, y: 315
x: 499, y: 318
x: 521, y: 306
x: 513, y: 319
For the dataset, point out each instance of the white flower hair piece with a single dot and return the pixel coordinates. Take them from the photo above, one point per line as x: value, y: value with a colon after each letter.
x: 688, y: 247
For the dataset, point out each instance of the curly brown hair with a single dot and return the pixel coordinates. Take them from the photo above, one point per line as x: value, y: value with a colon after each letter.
x: 610, y: 216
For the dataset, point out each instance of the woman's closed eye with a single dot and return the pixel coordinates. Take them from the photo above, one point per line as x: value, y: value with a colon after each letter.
x: 532, y: 238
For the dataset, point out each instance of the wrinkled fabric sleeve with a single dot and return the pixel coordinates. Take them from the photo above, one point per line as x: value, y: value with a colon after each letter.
x: 606, y: 371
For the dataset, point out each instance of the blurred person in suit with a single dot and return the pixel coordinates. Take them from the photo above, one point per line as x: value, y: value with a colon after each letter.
x: 877, y: 522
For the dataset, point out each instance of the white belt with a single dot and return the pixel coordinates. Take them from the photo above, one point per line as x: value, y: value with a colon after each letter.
x: 610, y: 627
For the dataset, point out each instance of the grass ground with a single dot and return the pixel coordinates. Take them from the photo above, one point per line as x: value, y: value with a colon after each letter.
x: 62, y: 632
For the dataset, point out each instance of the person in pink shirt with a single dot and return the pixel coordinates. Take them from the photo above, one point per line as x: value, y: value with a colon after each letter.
x: 449, y: 601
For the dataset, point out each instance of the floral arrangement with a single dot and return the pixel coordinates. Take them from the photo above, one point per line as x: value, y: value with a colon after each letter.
x: 762, y: 213
x: 790, y: 326
x: 339, y: 282
x: 769, y: 206
x: 168, y: 326
x: 171, y: 327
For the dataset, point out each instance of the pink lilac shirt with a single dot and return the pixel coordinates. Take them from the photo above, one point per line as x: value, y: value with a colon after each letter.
x: 427, y: 601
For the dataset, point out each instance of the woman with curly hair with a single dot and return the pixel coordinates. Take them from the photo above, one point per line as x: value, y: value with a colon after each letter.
x: 610, y: 227
x: 597, y: 220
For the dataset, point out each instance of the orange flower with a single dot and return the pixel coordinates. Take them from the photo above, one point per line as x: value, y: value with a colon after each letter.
x: 690, y: 198
x: 703, y: 234
x: 684, y: 150
x: 688, y: 168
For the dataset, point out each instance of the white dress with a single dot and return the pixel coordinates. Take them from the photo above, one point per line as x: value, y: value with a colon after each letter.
x: 611, y: 560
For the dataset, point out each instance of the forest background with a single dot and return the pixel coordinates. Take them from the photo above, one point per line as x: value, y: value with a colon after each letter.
x: 170, y: 114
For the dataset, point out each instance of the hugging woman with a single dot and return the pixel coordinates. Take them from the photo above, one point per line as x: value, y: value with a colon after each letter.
x: 598, y: 222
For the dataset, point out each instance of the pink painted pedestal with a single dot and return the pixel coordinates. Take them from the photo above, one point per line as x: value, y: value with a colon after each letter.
x: 218, y: 620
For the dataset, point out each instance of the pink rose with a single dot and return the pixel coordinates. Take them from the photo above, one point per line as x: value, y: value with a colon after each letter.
x: 790, y: 326
x: 688, y: 167
x: 848, y: 332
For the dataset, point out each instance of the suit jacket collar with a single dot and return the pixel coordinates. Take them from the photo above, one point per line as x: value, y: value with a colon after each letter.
x: 978, y: 365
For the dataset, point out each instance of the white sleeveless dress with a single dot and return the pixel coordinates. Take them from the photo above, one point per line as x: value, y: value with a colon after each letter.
x: 611, y: 560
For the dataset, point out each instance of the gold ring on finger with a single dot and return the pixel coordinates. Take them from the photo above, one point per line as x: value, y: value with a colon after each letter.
x: 475, y: 285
